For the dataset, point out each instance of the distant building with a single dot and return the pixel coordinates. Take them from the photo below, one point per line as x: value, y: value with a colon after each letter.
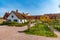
x: 15, y: 16
x: 24, y: 17
x: 52, y: 16
x: 2, y: 20
x: 45, y: 18
x: 26, y: 14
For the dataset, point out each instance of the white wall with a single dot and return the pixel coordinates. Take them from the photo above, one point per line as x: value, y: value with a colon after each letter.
x: 24, y: 20
x: 15, y: 17
x: 12, y: 19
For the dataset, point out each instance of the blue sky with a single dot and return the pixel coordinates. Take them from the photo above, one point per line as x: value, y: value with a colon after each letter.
x: 34, y: 7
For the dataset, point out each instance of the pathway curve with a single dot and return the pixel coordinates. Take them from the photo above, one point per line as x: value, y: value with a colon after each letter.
x: 11, y: 33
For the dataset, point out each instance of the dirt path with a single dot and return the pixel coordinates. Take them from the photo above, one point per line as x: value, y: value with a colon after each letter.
x: 11, y: 33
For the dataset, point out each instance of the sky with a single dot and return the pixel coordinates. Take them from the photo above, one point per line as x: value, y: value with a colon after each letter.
x: 34, y: 7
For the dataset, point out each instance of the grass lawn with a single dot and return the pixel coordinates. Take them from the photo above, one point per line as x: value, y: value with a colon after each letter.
x: 57, y: 27
x: 41, y: 30
x: 55, y: 24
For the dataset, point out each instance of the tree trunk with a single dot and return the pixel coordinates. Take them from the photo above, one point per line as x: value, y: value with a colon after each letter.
x: 29, y: 25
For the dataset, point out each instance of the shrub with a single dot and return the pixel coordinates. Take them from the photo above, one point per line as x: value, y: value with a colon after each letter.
x: 5, y: 23
x: 14, y: 23
x: 55, y: 24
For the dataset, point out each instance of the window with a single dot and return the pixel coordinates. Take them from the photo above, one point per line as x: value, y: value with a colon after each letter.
x: 15, y: 20
x: 12, y: 16
x: 21, y: 20
x: 9, y: 20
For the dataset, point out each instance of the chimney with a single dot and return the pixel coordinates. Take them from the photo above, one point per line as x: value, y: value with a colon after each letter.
x: 23, y: 12
x: 16, y: 11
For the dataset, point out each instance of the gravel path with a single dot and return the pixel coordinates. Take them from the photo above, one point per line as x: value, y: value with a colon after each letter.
x: 11, y: 33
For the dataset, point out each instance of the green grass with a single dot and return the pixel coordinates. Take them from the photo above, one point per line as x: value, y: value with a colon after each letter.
x: 41, y: 30
x: 55, y: 24
x: 57, y: 27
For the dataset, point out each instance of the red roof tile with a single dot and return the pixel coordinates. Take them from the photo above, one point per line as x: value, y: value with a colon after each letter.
x: 6, y: 15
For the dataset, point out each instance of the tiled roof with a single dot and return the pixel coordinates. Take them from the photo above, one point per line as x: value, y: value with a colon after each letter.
x: 33, y: 17
x: 52, y: 16
x: 23, y: 16
x: 6, y: 15
x: 19, y: 15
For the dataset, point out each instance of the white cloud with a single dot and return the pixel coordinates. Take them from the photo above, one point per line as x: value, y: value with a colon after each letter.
x: 52, y: 7
x: 45, y: 7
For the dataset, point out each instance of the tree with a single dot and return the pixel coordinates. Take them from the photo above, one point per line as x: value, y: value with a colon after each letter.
x: 37, y: 22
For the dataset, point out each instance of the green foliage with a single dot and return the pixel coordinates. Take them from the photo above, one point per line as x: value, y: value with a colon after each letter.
x: 14, y: 24
x: 55, y: 24
x: 41, y: 30
x: 57, y: 27
x: 22, y: 24
x: 7, y: 23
